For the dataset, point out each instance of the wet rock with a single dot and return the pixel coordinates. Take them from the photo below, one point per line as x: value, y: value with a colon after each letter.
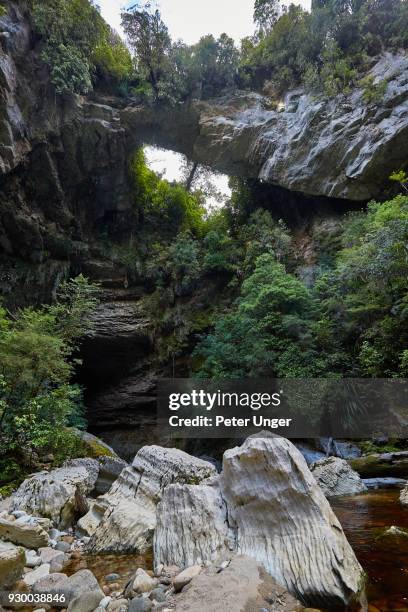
x: 335, y: 477
x: 379, y: 465
x: 128, y: 511
x: 383, y: 483
x: 404, y: 496
x: 30, y: 536
x: 185, y: 577
x: 12, y: 561
x: 58, y: 494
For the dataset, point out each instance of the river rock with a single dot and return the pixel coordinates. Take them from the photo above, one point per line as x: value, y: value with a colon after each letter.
x: 404, y: 496
x: 378, y: 465
x: 142, y: 582
x: 69, y: 588
x: 58, y: 494
x: 86, y: 602
x: 40, y: 572
x: 185, y: 577
x: 192, y: 526
x: 28, y: 535
x: 12, y: 561
x: 335, y: 477
x: 242, y: 587
x: 128, y: 510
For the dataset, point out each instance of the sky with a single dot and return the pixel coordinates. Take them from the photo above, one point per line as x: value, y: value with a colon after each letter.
x: 191, y: 19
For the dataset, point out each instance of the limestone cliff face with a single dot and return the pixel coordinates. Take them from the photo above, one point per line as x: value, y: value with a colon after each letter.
x: 340, y: 147
x: 63, y: 167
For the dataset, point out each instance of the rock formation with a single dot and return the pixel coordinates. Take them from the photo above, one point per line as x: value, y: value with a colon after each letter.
x: 335, y: 477
x: 339, y: 147
x: 242, y: 586
x: 267, y: 505
x: 56, y: 494
x: 124, y: 519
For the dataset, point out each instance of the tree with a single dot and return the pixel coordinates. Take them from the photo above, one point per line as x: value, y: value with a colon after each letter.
x: 266, y: 14
x: 150, y: 41
x: 37, y: 346
x: 268, y: 333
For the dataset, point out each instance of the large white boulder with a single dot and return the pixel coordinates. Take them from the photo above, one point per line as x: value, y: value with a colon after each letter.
x: 58, y: 494
x: 335, y: 477
x: 127, y: 513
x: 270, y: 508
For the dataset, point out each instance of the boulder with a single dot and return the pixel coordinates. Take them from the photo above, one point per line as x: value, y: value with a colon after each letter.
x: 335, y: 477
x: 58, y: 494
x: 404, y: 496
x: 192, y: 526
x: 28, y: 535
x: 68, y: 588
x: 142, y: 582
x: 128, y: 511
x: 12, y: 561
x: 378, y: 465
x: 282, y: 518
x: 86, y: 602
x: 242, y: 586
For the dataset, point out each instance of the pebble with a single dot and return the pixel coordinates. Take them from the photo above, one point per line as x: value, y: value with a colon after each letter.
x: 40, y: 572
x: 185, y: 577
x: 140, y: 604
x: 106, y: 589
x: 158, y: 595
x: 115, y: 586
x: 63, y: 546
x: 112, y: 577
x: 75, y: 554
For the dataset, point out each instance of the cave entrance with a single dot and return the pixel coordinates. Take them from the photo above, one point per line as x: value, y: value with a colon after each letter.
x: 175, y: 167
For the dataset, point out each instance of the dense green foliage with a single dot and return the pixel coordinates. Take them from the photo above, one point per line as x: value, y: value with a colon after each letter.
x: 328, y: 48
x: 37, y: 357
x: 161, y: 203
x: 352, y: 322
x: 78, y: 46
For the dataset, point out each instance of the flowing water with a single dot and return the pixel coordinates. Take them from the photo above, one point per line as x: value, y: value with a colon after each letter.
x: 365, y: 518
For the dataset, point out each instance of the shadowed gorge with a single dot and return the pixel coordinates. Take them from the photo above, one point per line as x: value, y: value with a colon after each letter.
x: 114, y: 277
